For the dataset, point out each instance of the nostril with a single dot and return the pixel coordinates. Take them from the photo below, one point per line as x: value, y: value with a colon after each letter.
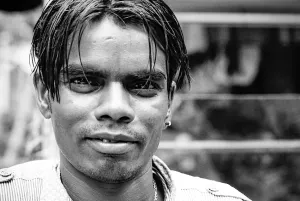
x: 124, y: 119
x: 104, y: 117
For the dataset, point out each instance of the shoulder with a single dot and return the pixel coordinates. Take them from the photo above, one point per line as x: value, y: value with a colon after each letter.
x: 28, y: 171
x: 24, y: 179
x: 195, y: 187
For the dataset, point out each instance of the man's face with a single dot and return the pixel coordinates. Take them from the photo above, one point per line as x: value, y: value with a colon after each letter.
x: 109, y: 119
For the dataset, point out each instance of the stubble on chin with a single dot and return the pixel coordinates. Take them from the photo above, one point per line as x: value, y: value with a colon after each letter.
x: 112, y: 171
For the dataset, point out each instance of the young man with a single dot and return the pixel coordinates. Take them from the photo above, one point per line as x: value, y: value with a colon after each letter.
x: 106, y: 72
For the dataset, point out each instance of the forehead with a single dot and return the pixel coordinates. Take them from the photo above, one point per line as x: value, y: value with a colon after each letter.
x: 108, y: 44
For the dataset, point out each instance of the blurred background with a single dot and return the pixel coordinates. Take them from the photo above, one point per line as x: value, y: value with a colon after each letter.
x: 239, y: 122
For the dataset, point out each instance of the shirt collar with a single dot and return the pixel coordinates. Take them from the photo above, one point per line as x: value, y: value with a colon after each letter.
x: 163, y: 173
x: 53, y: 188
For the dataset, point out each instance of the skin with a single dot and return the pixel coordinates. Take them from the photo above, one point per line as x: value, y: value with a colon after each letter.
x: 116, y: 63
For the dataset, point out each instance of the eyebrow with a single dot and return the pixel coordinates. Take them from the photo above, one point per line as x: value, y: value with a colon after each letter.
x: 154, y: 75
x: 74, y: 70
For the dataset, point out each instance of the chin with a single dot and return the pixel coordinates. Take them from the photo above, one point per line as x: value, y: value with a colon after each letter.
x: 110, y: 171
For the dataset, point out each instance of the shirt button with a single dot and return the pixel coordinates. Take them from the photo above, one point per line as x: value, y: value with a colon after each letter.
x: 213, y: 189
x: 5, y: 173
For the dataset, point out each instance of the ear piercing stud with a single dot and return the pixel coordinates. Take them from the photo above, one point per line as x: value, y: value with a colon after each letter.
x: 168, y: 123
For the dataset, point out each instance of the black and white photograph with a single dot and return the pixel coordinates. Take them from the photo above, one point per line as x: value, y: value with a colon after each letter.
x: 149, y: 100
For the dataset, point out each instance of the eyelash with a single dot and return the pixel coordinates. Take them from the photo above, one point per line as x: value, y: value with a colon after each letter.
x: 81, y: 79
x: 143, y: 88
x: 85, y: 84
x: 146, y: 85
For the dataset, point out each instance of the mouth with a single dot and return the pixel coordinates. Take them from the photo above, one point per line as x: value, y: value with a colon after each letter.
x: 112, y: 138
x: 113, y: 144
x: 106, y: 140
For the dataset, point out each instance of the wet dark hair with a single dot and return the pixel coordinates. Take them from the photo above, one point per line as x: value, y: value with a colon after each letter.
x: 61, y: 20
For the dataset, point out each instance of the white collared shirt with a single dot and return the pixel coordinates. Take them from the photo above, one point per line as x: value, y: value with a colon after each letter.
x: 40, y: 181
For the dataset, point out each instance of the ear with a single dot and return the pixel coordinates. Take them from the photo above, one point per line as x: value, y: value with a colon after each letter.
x: 42, y: 97
x: 171, y: 96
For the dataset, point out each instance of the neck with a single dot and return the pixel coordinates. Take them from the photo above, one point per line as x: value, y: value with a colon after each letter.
x: 83, y: 188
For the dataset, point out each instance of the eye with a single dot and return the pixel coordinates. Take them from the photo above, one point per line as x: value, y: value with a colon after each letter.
x: 145, y: 88
x: 85, y: 84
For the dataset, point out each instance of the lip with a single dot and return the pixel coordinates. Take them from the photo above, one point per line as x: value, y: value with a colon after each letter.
x: 112, y: 137
x: 116, y: 144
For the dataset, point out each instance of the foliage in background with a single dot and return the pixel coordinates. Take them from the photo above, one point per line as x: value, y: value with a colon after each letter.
x: 262, y: 177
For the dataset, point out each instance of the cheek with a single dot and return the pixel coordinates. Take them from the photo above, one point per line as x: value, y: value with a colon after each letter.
x: 67, y: 115
x: 153, y: 115
x: 64, y: 115
x: 67, y: 118
x: 153, y: 121
x: 72, y: 105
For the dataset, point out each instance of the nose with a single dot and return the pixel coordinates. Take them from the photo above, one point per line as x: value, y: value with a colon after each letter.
x: 115, y: 104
